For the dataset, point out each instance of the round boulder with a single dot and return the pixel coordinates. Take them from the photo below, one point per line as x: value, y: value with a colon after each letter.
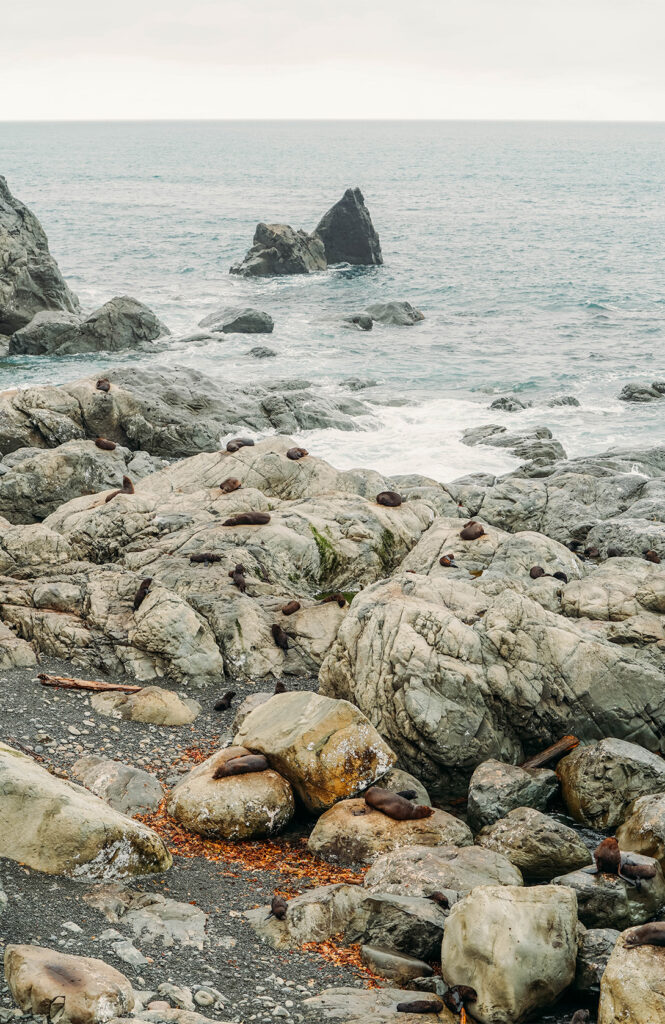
x: 538, y: 845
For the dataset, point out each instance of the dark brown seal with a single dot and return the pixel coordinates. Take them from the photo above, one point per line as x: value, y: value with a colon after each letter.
x: 448, y: 561
x: 239, y: 442
x: 408, y: 794
x: 280, y: 687
x: 127, y: 488
x: 631, y: 869
x: 230, y: 484
x: 652, y: 556
x: 291, y: 608
x: 652, y: 934
x: 439, y: 898
x: 248, y: 519
x: 560, y: 576
x: 394, y: 806
x: 106, y: 446
x: 278, y: 908
x: 420, y: 1006
x: 614, y: 552
x: 280, y: 637
x: 457, y: 997
x: 391, y: 499
x: 472, y: 530
x: 591, y: 552
x: 339, y: 598
x: 205, y: 556
x: 296, y: 453
x: 607, y: 856
x: 247, y: 764
x: 224, y: 703
x: 536, y: 571
x: 238, y: 577
x: 142, y: 592
x: 103, y: 384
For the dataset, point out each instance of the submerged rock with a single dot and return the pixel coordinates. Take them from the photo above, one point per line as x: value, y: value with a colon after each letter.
x: 643, y: 392
x: 239, y: 321
x: 399, y: 314
x: 347, y: 232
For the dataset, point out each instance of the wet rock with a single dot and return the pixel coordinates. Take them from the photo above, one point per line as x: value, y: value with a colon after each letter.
x: 347, y: 232
x: 496, y: 789
x: 45, y: 333
x: 262, y: 352
x: 60, y: 828
x: 599, y: 781
x: 248, y: 806
x: 516, y: 947
x: 152, y: 704
x: 537, y: 445
x: 88, y: 990
x: 642, y: 392
x: 563, y: 400
x: 538, y: 845
x: 508, y: 403
x: 277, y: 250
x: 643, y: 830
x: 119, y: 324
x: 398, y: 967
x: 124, y: 788
x: 353, y: 833
x: 378, y: 1005
x: 363, y: 322
x: 30, y: 281
x: 326, y: 748
x: 397, y: 314
x: 239, y: 321
x: 595, y: 948
x: 607, y: 901
x: 454, y: 871
x: 631, y: 989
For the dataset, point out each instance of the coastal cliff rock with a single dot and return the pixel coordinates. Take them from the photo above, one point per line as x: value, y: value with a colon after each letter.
x: 277, y: 250
x: 30, y: 281
x: 347, y: 232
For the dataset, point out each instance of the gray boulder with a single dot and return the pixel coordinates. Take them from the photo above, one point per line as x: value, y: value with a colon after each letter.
x: 509, y: 404
x: 496, y: 789
x: 563, y: 400
x: 347, y: 232
x: 124, y: 788
x: 362, y: 321
x: 279, y: 250
x: 119, y: 324
x: 642, y: 392
x: 30, y: 281
x: 262, y: 352
x: 607, y: 901
x: 594, y: 950
x: 46, y: 333
x: 536, y: 445
x: 538, y: 845
x: 398, y: 314
x: 239, y: 321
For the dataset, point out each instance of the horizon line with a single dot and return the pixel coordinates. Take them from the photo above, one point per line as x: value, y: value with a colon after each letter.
x: 329, y: 120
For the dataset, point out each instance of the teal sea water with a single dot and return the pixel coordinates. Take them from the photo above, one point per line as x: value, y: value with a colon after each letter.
x: 536, y: 252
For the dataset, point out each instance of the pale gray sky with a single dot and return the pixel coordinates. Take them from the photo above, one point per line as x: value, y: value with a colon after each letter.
x: 340, y: 58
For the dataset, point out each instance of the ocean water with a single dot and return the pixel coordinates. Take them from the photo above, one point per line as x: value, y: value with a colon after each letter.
x: 534, y: 250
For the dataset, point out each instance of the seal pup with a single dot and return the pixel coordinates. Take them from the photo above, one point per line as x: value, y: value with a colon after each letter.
x: 580, y: 1017
x: 592, y: 552
x: 127, y: 488
x: 652, y: 556
x: 206, y: 557
x: 106, y: 446
x: 391, y: 499
x: 472, y: 530
x: 448, y: 561
x: 291, y: 608
x: 457, y: 996
x: 142, y: 593
x: 652, y: 934
x: 296, y: 453
x: 536, y: 572
x: 224, y: 703
x: 239, y: 442
x: 280, y: 687
x: 560, y: 576
x: 230, y: 484
x: 238, y: 577
x: 103, y: 384
x: 280, y: 637
x: 248, y: 519
x: 395, y: 806
x: 439, y: 898
x: 607, y: 856
x: 246, y: 764
x: 420, y: 1006
x: 278, y: 908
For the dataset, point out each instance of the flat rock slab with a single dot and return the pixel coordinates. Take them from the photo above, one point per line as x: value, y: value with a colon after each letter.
x: 124, y: 788
x: 378, y: 1005
x: 399, y: 967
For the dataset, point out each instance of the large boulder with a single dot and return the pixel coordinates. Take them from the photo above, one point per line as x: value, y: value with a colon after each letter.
x: 347, y: 232
x: 312, y: 916
x: 121, y: 323
x: 607, y: 901
x: 378, y: 1005
x: 420, y: 870
x: 353, y: 833
x: 632, y: 990
x: 642, y: 392
x: 30, y: 281
x: 85, y: 990
x: 600, y: 781
x: 45, y: 334
x: 325, y: 748
x: 540, y: 846
x: 60, y: 828
x: 151, y: 704
x: 124, y: 788
x: 248, y: 806
x: 595, y: 947
x: 277, y: 249
x: 496, y: 789
x: 643, y: 830
x: 238, y: 321
x: 516, y: 947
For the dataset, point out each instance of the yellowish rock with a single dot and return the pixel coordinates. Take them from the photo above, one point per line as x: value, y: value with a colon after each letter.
x: 151, y: 704
x: 632, y: 989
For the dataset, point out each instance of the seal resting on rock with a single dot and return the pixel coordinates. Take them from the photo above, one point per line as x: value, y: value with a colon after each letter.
x: 127, y: 488
x: 341, y: 600
x: 224, y: 703
x: 536, y: 571
x: 631, y: 869
x: 607, y: 856
x: 230, y: 484
x: 103, y: 384
x: 239, y: 442
x: 560, y: 576
x: 591, y: 552
x: 280, y: 637
x: 652, y: 934
x: 395, y: 806
x: 296, y: 453
x: 420, y: 1006
x: 142, y: 592
x: 206, y: 557
x: 248, y: 519
x: 614, y: 552
x: 291, y: 608
x: 652, y: 556
x: 106, y: 446
x: 247, y: 764
x: 238, y: 577
x: 440, y: 899
x: 278, y: 908
x: 448, y: 561
x: 458, y: 996
x: 391, y: 499
x: 472, y: 530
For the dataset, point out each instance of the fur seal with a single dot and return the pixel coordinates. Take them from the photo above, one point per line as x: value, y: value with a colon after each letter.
x: 280, y: 637
x: 142, y: 592
x: 391, y: 499
x: 580, y: 1017
x: 341, y: 600
x: 224, y: 703
x: 394, y: 806
x: 631, y: 869
x: 614, y: 552
x: 472, y: 530
x: 607, y: 856
x: 247, y: 764
x: 238, y: 577
x: 278, y: 908
x: 127, y: 488
x: 291, y: 608
x: 230, y: 484
x: 592, y: 552
x: 296, y: 453
x: 248, y: 519
x: 280, y: 687
x: 560, y: 576
x: 448, y: 561
x: 206, y: 557
x: 536, y: 572
x: 106, y: 446
x: 239, y: 442
x: 652, y: 556
x: 420, y: 1006
x: 652, y: 934
x: 458, y: 996
x: 408, y: 794
x: 440, y: 899
x: 103, y: 384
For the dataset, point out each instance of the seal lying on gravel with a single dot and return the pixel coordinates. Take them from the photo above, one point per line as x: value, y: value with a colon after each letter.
x: 127, y: 488
x: 248, y: 519
x: 652, y: 934
x: 224, y: 703
x: 245, y: 765
x: 395, y: 806
x: 280, y: 687
x: 472, y: 530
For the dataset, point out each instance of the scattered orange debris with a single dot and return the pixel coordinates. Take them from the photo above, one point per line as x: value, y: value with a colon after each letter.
x: 344, y: 956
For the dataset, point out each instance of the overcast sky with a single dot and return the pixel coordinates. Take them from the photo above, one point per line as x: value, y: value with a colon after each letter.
x: 591, y: 59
